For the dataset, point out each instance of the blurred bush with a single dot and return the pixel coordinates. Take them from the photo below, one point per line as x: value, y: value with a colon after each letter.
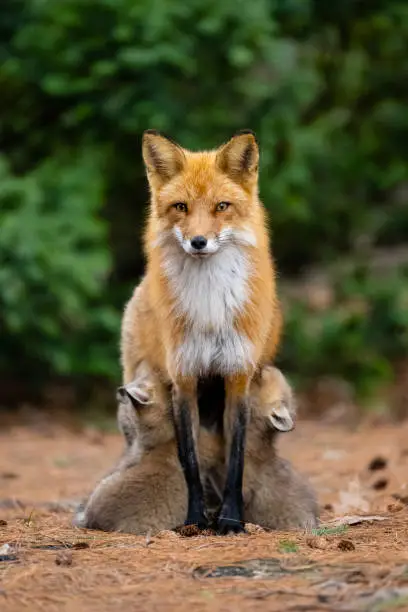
x: 54, y: 266
x: 324, y: 85
x: 353, y: 326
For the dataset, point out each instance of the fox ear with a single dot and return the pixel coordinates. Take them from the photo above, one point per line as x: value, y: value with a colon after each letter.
x: 163, y: 158
x: 136, y: 392
x: 239, y: 157
x: 281, y: 418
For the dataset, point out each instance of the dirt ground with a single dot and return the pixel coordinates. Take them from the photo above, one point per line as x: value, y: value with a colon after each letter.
x: 46, y: 564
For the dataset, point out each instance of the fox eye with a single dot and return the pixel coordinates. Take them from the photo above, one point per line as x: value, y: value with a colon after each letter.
x: 222, y: 206
x: 180, y: 207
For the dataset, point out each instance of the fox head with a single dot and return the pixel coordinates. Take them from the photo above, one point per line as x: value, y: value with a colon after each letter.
x: 143, y: 417
x: 203, y: 200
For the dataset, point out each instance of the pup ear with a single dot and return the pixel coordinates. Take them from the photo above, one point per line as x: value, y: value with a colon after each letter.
x: 163, y: 158
x: 239, y: 157
x: 280, y: 417
x: 138, y: 393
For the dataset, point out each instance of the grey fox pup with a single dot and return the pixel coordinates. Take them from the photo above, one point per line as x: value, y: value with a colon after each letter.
x: 147, y: 491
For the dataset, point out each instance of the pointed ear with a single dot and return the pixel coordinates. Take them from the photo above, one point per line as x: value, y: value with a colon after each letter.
x: 137, y: 393
x: 239, y: 157
x: 281, y: 418
x: 163, y: 158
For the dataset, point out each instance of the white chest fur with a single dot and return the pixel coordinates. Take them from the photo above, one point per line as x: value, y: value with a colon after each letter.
x: 210, y: 293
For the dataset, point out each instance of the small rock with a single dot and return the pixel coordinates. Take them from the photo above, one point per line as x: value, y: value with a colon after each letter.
x: 346, y: 545
x: 3, y: 523
x: 64, y: 558
x: 7, y: 553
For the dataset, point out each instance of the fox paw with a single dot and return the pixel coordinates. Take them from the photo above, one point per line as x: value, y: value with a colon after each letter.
x: 229, y: 525
x: 196, y: 519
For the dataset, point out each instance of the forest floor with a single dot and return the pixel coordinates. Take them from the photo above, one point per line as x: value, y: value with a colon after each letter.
x: 46, y: 564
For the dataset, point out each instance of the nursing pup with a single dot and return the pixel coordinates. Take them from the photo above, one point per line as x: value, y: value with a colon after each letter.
x: 207, y: 304
x: 276, y: 496
x: 147, y: 490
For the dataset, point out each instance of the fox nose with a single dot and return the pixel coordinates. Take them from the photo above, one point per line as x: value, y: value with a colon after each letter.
x: 198, y: 242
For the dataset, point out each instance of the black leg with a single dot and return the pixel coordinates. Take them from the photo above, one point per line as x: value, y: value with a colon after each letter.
x: 188, y: 459
x: 231, y: 518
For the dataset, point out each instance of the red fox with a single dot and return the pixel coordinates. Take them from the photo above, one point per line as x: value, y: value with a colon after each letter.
x: 147, y: 491
x: 207, y: 304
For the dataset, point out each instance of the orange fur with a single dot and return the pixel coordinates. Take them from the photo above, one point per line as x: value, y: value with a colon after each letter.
x: 149, y: 315
x: 154, y: 326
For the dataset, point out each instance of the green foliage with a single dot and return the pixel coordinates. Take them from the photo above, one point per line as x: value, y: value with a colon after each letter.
x: 362, y: 332
x: 53, y: 271
x: 324, y: 86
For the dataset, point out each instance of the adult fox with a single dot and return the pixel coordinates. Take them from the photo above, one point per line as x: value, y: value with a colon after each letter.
x: 207, y: 304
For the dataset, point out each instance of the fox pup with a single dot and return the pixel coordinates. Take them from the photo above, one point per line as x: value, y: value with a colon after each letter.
x: 207, y: 304
x: 276, y: 496
x: 147, y: 490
